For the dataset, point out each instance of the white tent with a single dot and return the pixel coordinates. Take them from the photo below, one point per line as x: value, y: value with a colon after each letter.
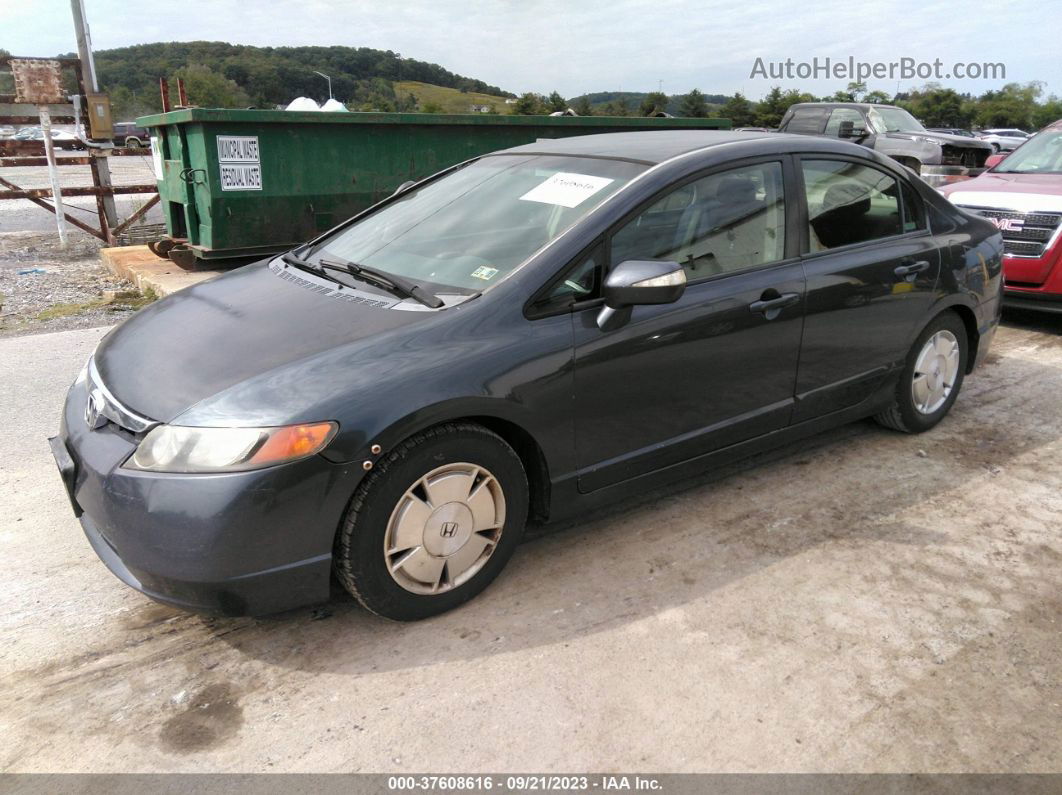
x: 302, y: 103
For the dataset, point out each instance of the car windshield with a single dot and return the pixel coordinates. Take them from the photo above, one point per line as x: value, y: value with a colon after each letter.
x: 894, y: 120
x: 471, y: 228
x: 1041, y: 154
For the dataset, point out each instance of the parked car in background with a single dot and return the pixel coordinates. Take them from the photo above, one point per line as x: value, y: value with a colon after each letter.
x: 936, y: 157
x: 534, y: 333
x: 1003, y: 140
x: 1022, y: 196
x: 953, y: 131
x: 128, y: 134
x: 60, y: 138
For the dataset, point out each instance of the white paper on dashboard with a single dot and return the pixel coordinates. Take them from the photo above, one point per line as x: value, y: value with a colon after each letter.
x: 566, y: 190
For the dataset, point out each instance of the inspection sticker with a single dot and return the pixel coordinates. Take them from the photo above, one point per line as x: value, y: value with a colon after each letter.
x: 484, y: 272
x: 566, y: 190
x: 241, y: 177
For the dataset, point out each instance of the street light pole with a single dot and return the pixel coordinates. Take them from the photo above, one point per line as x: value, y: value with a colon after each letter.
x: 329, y: 79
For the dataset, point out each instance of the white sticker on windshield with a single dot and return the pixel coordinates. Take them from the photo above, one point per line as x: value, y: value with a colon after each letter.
x: 484, y: 272
x: 567, y: 190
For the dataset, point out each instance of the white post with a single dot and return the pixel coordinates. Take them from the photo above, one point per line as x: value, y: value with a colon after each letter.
x: 53, y: 172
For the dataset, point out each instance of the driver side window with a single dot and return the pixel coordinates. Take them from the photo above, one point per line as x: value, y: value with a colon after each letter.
x: 580, y: 282
x: 725, y: 222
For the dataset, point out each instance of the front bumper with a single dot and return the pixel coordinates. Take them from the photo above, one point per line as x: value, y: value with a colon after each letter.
x: 1033, y: 300
x: 241, y: 543
x: 1034, y: 283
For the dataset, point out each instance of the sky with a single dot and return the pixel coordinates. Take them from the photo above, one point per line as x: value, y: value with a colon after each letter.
x: 577, y: 46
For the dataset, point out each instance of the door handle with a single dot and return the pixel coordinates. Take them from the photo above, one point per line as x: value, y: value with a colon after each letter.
x: 909, y: 268
x: 772, y: 307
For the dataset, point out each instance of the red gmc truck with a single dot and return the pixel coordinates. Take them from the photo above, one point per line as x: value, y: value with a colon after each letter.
x: 1022, y: 195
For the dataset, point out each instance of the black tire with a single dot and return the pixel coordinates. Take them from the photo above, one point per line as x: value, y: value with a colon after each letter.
x: 359, y: 560
x: 902, y: 415
x: 132, y: 143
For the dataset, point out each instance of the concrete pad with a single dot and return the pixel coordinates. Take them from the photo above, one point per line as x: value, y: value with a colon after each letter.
x: 138, y: 265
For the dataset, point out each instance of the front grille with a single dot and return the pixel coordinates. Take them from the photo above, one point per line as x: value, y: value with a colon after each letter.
x: 1024, y: 234
x: 102, y: 407
x: 968, y: 156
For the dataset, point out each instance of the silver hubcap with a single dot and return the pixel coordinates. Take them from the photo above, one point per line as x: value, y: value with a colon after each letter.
x: 444, y: 528
x: 935, y: 371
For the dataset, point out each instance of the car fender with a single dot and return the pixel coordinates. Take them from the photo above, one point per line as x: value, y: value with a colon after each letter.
x: 449, y: 410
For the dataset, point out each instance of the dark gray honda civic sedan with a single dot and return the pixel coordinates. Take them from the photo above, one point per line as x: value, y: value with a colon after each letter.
x: 517, y: 339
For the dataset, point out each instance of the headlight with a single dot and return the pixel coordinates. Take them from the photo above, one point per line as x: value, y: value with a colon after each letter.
x: 173, y: 448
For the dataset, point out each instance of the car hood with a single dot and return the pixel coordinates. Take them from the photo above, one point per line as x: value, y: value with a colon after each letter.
x: 253, y: 321
x: 942, y: 138
x: 1022, y: 192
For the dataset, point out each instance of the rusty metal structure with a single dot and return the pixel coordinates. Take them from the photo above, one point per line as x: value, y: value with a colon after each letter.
x: 40, y: 99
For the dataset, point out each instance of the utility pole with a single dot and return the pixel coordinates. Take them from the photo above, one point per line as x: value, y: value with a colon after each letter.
x: 88, y: 74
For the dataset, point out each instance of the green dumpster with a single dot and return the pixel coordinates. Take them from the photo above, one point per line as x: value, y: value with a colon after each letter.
x: 245, y: 183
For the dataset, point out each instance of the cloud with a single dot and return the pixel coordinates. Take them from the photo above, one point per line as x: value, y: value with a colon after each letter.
x: 573, y: 47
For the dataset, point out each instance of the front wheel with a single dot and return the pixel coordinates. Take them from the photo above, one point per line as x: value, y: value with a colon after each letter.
x: 433, y: 523
x: 932, y: 377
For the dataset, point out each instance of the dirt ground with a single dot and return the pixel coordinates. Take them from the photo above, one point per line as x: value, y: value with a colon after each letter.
x: 62, y: 289
x: 862, y: 601
x: 43, y: 288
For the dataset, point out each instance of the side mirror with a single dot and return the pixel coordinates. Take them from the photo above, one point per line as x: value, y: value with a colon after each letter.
x: 994, y: 160
x: 848, y: 130
x: 409, y: 183
x: 637, y: 282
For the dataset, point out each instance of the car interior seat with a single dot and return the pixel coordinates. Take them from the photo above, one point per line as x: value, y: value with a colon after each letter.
x: 727, y: 231
x: 841, y: 220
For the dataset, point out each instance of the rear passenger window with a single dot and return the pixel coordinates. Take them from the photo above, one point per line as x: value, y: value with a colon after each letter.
x: 807, y: 120
x: 914, y: 217
x: 725, y: 222
x: 849, y: 203
x: 833, y: 126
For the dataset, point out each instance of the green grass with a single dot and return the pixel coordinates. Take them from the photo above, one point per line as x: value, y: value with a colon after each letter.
x: 121, y: 301
x: 449, y: 100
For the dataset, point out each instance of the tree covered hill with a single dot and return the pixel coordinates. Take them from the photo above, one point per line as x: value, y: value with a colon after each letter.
x: 220, y: 74
x: 601, y: 101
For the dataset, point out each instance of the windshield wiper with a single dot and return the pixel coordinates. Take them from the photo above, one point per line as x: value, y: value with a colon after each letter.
x: 387, y: 281
x: 316, y: 270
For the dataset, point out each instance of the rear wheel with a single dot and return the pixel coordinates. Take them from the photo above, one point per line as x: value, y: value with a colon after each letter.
x: 932, y: 377
x: 433, y: 523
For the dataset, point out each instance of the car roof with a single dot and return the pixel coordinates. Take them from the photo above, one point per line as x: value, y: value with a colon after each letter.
x: 860, y: 105
x: 653, y: 146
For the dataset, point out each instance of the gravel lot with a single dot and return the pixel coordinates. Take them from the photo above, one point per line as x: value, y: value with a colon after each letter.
x: 69, y: 294
x: 861, y: 601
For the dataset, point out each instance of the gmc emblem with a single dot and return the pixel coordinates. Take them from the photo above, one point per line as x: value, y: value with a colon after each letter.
x: 1008, y: 224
